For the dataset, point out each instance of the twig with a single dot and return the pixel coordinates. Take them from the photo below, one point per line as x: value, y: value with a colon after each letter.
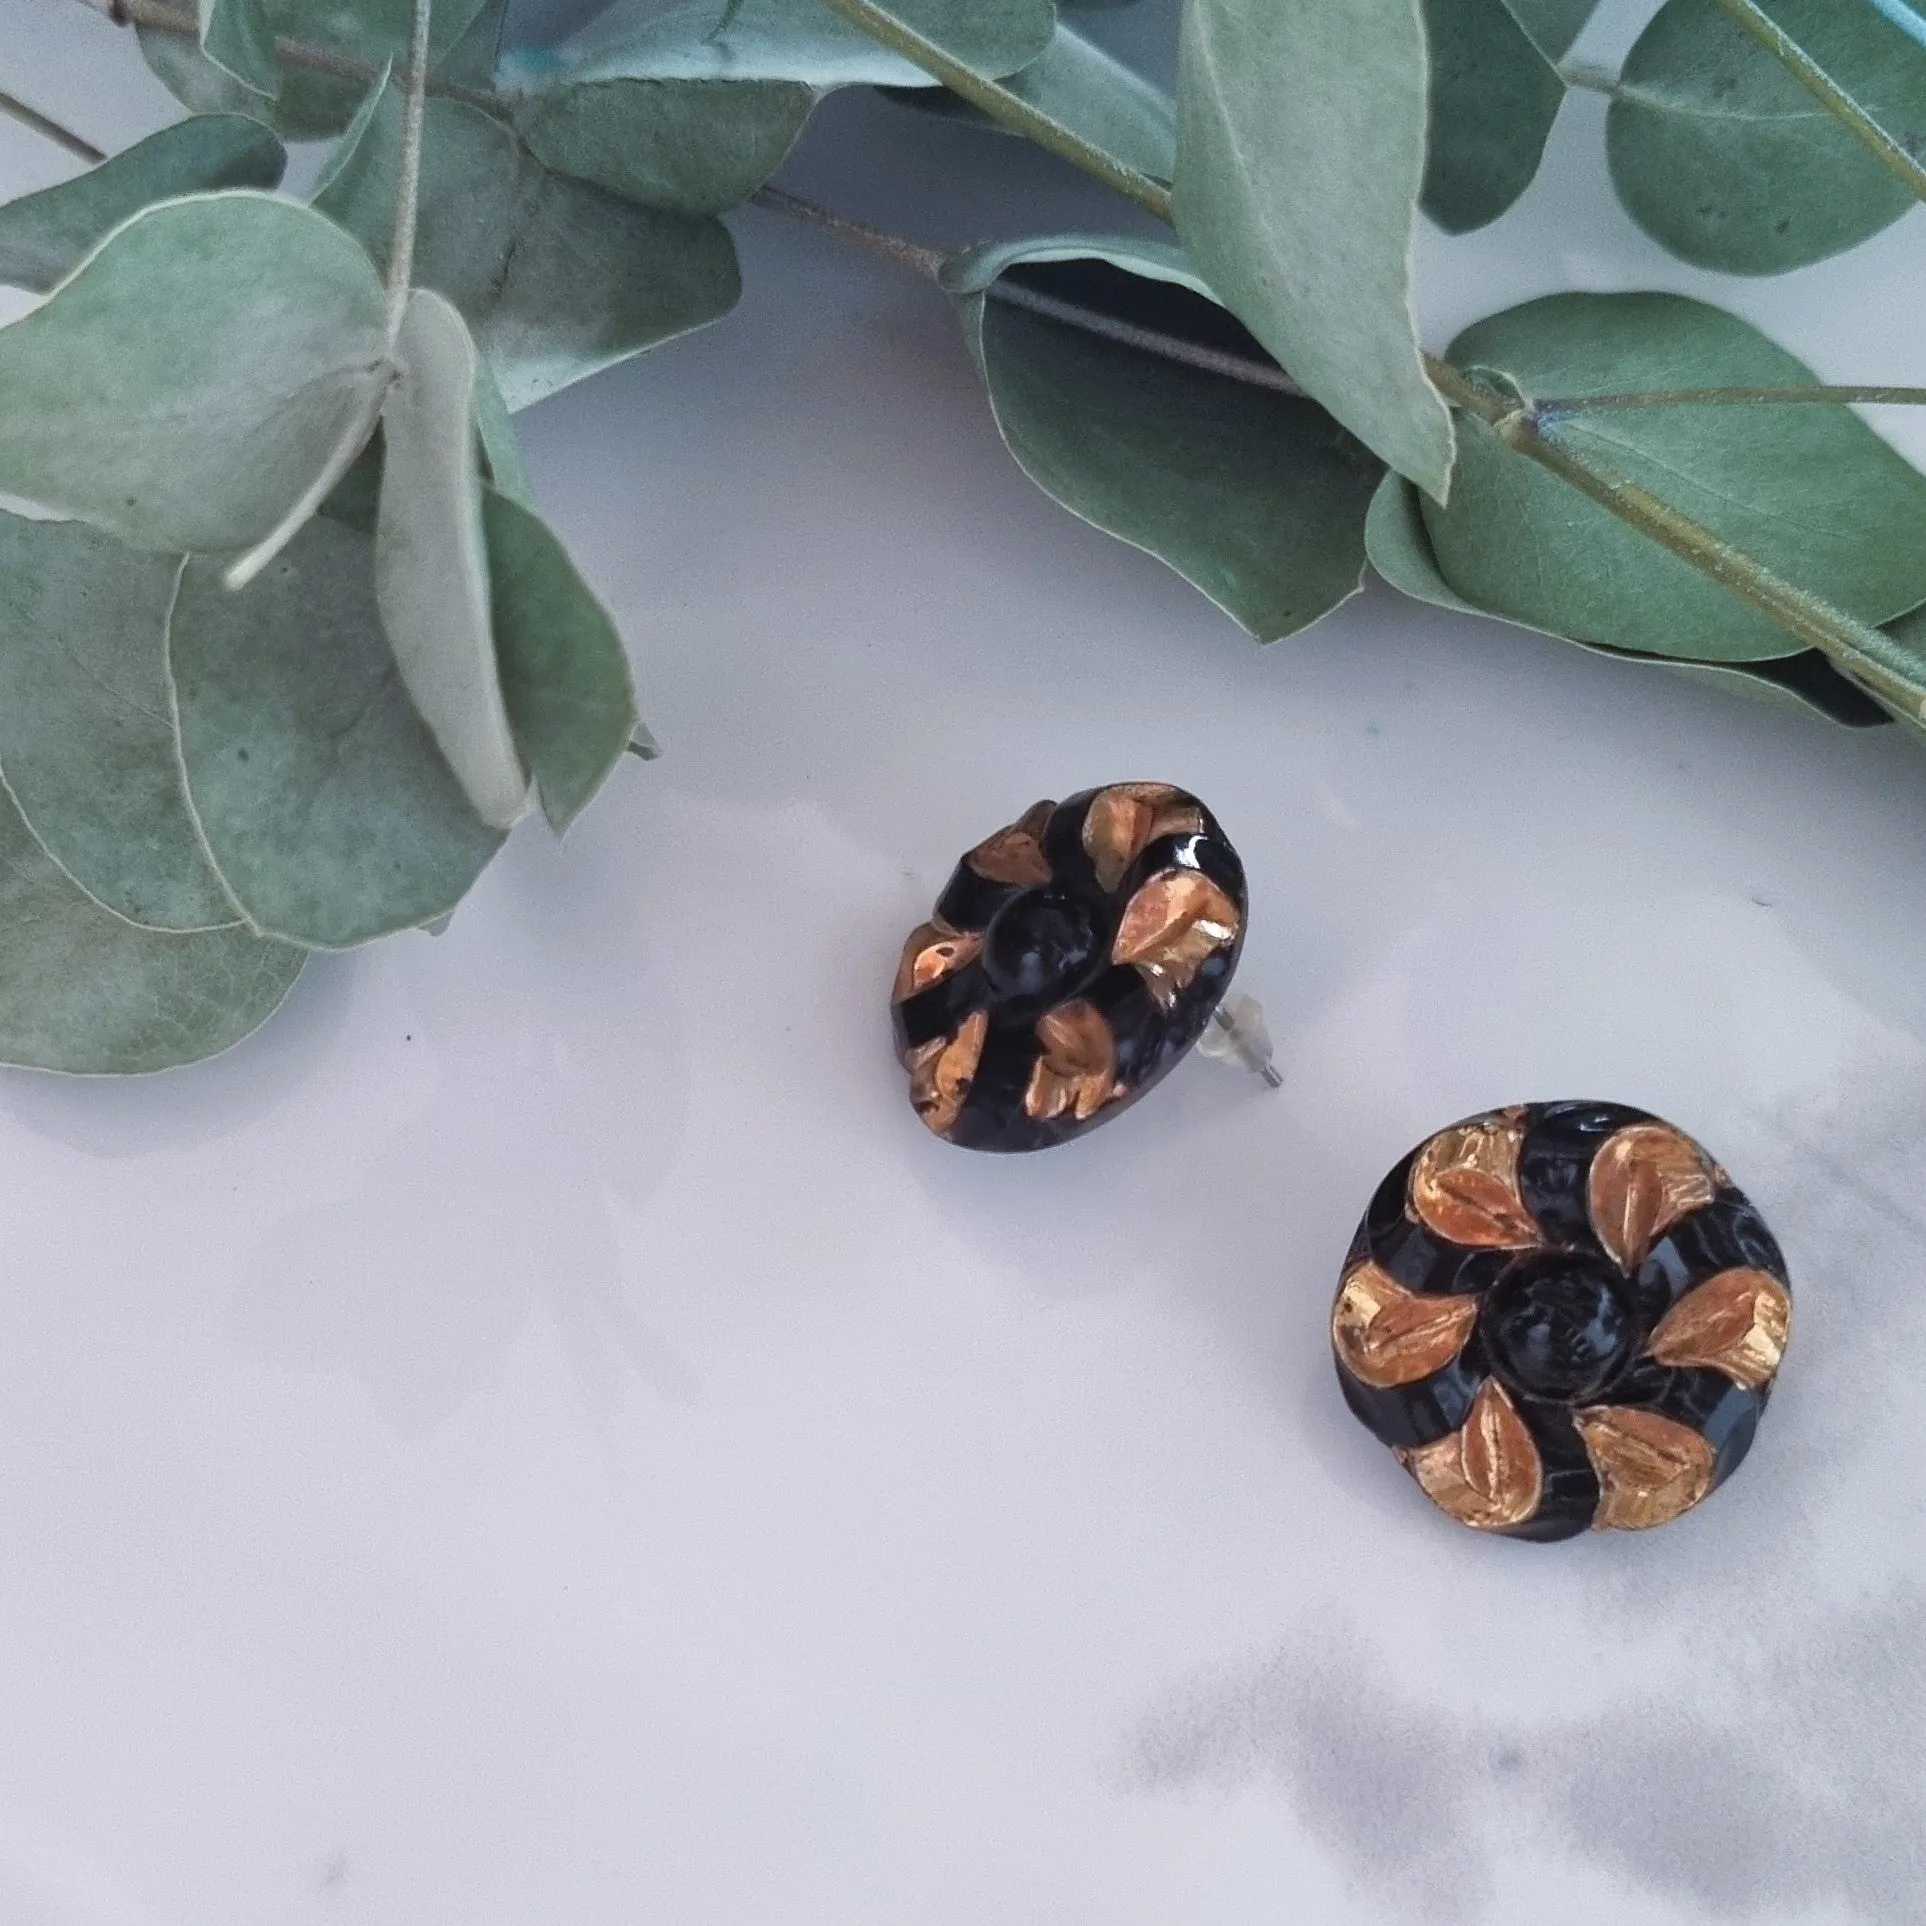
x: 926, y: 261
x: 51, y: 129
x: 1869, y: 657
x: 401, y: 250
x: 1828, y: 92
x: 1005, y: 107
x: 929, y: 262
x: 1734, y: 397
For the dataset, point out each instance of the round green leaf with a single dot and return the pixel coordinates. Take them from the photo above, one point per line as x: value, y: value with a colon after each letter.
x: 1256, y: 497
x: 1300, y: 153
x: 1552, y: 24
x: 86, y: 737
x: 83, y: 991
x: 310, y: 105
x: 45, y: 236
x: 1494, y: 97
x: 1401, y: 552
x: 787, y: 40
x: 557, y: 278
x: 563, y: 670
x: 320, y: 794
x: 1810, y: 491
x: 1726, y: 159
x: 189, y: 382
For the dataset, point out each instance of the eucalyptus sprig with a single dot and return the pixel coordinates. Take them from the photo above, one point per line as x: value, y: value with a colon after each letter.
x: 296, y: 651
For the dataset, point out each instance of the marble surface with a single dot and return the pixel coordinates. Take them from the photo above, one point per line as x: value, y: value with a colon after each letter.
x: 542, y: 1434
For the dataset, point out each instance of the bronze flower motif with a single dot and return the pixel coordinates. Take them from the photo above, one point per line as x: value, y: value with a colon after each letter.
x: 1559, y: 1316
x: 1072, y: 960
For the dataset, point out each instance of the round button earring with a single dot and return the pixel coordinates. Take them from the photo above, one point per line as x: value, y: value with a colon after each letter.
x: 1072, y: 960
x: 1559, y: 1316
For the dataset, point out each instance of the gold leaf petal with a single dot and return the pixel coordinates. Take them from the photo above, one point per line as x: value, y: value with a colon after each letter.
x: 934, y: 951
x: 1487, y: 1473
x: 1464, y: 1185
x: 1170, y: 926
x: 1122, y: 819
x: 1387, y: 1335
x: 1077, y: 1071
x: 942, y: 1069
x: 1650, y: 1468
x: 1015, y: 855
x: 1644, y: 1179
x: 1737, y: 1322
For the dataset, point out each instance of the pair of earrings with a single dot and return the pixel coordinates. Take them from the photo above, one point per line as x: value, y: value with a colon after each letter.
x: 1558, y: 1316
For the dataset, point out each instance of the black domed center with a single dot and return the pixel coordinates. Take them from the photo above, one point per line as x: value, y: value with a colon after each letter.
x: 1040, y: 944
x: 1557, y: 1325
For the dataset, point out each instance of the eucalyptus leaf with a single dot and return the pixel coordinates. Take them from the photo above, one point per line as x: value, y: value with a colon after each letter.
x: 563, y: 670
x: 238, y: 37
x: 1808, y: 490
x: 1300, y: 153
x: 785, y: 40
x: 1081, y: 87
x: 1723, y: 156
x: 320, y: 794
x: 431, y: 561
x: 311, y: 104
x: 1256, y: 497
x: 1552, y: 24
x: 45, y: 236
x: 189, y: 382
x: 501, y: 452
x: 1401, y: 552
x: 1494, y: 97
x: 84, y: 992
x: 690, y: 146
x: 557, y: 278
x: 86, y: 739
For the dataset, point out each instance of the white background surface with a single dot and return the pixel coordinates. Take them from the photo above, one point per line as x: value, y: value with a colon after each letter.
x: 543, y: 1435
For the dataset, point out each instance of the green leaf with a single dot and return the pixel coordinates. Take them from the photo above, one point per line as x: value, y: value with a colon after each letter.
x: 237, y: 37
x: 1724, y: 158
x: 1083, y: 88
x: 1810, y: 491
x: 86, y: 740
x: 1300, y: 153
x: 1494, y: 97
x: 310, y: 105
x: 320, y: 794
x: 1552, y: 24
x: 431, y: 563
x: 690, y: 146
x: 786, y: 40
x: 557, y: 278
x: 1401, y: 552
x: 563, y: 669
x: 187, y: 385
x: 45, y: 236
x: 694, y: 108
x: 1256, y: 497
x: 502, y: 460
x: 84, y: 992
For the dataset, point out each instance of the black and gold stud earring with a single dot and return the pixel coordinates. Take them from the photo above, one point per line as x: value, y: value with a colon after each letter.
x: 1072, y: 960
x: 1559, y: 1316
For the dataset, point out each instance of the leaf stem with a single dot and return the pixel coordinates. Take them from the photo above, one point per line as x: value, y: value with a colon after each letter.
x: 401, y: 249
x: 930, y: 262
x: 1734, y: 397
x: 1007, y: 108
x: 50, y: 129
x: 1828, y: 92
x: 169, y: 16
x: 1870, y: 658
